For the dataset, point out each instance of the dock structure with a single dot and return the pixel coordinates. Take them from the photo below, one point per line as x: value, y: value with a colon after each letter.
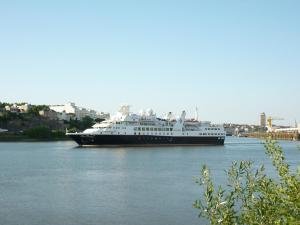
x: 293, y: 136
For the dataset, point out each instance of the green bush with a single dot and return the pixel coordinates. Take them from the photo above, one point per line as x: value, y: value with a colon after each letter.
x: 252, y: 197
x: 72, y: 130
x: 42, y: 132
x: 58, y: 134
x: 38, y: 132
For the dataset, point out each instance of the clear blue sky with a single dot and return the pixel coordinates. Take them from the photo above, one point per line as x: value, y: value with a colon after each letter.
x: 232, y: 59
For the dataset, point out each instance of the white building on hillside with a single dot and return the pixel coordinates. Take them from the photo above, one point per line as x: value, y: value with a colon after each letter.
x: 18, y: 108
x: 24, y: 108
x: 77, y: 112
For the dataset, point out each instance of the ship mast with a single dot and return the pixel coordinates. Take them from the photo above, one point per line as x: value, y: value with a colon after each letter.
x: 196, y: 114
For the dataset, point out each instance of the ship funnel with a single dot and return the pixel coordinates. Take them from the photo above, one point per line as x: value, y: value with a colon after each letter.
x: 179, y: 124
x: 183, y: 114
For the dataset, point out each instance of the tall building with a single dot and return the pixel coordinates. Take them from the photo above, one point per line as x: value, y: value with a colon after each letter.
x: 263, y: 119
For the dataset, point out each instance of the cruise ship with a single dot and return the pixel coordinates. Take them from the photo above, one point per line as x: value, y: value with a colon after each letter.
x: 146, y: 129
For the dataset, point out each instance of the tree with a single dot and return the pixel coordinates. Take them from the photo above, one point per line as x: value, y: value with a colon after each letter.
x: 84, y: 123
x: 36, y: 108
x: 3, y: 104
x: 252, y: 197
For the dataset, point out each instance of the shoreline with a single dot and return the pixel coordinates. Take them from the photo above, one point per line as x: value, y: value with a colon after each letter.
x: 24, y: 138
x: 292, y: 136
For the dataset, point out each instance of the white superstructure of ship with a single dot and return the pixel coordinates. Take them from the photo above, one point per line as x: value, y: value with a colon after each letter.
x: 127, y: 128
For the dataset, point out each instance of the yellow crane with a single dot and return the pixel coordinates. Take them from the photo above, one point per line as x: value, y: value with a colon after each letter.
x: 270, y: 122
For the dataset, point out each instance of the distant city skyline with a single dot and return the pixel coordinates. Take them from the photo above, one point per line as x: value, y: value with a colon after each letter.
x: 233, y: 59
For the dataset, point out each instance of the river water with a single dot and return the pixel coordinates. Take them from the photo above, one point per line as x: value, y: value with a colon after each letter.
x: 60, y: 183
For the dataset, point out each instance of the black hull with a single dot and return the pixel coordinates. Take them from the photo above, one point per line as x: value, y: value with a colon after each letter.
x: 137, y: 140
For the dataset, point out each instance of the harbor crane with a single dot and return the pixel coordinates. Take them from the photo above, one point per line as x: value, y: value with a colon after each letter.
x: 270, y: 122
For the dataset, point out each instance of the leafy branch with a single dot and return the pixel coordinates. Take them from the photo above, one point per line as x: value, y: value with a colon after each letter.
x: 252, y: 197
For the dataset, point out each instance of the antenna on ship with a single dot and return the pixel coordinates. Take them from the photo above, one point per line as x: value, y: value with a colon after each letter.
x: 196, y: 114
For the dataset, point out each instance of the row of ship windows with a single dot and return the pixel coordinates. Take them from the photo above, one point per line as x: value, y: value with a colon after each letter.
x: 154, y: 138
x: 152, y: 129
x: 214, y: 128
x: 158, y: 129
x: 209, y: 134
x: 126, y: 122
x: 139, y: 133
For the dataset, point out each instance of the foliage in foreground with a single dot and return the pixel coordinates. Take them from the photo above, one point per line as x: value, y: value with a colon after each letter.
x: 252, y: 197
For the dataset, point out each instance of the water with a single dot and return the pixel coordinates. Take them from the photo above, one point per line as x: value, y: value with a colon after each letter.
x: 59, y: 183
